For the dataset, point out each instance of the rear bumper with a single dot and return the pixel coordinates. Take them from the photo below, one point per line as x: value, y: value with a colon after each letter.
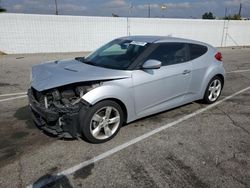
x: 61, y: 122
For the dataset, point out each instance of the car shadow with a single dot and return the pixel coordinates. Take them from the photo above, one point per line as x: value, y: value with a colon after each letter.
x: 24, y: 114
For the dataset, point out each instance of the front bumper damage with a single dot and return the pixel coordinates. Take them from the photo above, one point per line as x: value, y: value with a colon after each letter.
x: 61, y: 122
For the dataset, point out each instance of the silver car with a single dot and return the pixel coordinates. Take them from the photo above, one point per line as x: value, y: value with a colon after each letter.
x: 124, y: 80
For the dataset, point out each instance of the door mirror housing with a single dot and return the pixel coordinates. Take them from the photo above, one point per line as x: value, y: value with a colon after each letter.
x: 151, y: 64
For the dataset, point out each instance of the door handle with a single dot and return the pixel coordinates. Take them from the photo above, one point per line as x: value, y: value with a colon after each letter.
x: 186, y: 72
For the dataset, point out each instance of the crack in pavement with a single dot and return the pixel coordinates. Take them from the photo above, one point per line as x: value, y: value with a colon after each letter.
x: 228, y: 159
x: 218, y: 165
x: 234, y: 122
x: 233, y: 177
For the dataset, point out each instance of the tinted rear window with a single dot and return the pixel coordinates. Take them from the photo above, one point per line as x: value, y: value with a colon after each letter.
x: 196, y: 50
x: 170, y: 53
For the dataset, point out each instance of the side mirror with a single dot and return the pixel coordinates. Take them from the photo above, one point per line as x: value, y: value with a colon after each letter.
x: 151, y: 64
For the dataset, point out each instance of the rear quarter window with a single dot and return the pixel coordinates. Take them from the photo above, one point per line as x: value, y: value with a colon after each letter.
x: 197, y: 50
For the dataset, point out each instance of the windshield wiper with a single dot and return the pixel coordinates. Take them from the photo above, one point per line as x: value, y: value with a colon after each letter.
x: 83, y: 60
x: 89, y: 62
x: 80, y: 59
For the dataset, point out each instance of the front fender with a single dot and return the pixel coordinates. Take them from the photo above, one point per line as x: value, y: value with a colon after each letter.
x: 113, y: 92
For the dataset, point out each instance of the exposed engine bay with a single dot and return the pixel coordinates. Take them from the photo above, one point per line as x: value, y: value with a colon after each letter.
x: 57, y: 110
x: 65, y: 96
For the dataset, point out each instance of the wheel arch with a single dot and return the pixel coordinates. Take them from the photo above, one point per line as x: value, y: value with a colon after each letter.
x: 120, y: 103
x: 222, y: 78
x: 118, y: 94
x: 210, y: 74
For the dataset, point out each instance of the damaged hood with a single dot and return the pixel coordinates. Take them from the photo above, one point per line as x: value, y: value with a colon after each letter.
x: 59, y: 73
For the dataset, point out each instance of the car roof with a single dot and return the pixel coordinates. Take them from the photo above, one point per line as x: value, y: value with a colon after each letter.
x: 142, y: 38
x: 160, y: 39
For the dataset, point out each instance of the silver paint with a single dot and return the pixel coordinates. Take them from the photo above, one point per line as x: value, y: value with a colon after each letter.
x: 143, y: 92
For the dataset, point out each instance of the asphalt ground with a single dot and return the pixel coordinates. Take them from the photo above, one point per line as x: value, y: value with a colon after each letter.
x: 209, y: 148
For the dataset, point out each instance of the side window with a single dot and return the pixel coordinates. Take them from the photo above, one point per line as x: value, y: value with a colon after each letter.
x: 196, y: 50
x: 170, y: 53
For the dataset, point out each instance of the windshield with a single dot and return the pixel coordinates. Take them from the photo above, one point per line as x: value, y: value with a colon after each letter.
x: 117, y: 54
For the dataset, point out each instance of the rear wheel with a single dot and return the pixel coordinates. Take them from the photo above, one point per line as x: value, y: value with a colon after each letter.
x: 213, y: 90
x: 102, y: 121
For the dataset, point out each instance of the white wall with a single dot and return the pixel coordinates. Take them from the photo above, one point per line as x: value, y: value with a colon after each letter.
x: 25, y: 33
x: 204, y: 30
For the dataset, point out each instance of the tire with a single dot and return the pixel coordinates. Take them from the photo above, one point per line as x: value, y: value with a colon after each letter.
x: 101, y: 122
x: 213, y: 90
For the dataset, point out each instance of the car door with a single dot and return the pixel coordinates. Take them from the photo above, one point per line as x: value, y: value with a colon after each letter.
x: 156, y: 90
x: 200, y: 64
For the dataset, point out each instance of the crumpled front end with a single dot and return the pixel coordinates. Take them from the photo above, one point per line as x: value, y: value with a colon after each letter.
x: 57, y: 112
x: 57, y: 90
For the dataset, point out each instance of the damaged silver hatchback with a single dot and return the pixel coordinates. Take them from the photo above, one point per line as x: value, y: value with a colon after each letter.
x: 124, y: 80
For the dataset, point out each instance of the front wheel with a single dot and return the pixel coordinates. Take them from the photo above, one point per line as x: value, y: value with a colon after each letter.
x: 213, y: 90
x: 102, y: 121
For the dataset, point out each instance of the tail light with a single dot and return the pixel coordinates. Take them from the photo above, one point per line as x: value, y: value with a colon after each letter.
x: 218, y: 56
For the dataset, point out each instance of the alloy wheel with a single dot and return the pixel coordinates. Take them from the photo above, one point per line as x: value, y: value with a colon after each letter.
x: 214, y: 90
x: 105, y: 122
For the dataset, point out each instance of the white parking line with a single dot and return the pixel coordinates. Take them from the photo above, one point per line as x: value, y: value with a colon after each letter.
x: 13, y: 94
x: 238, y: 71
x: 12, y: 98
x: 106, y: 154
